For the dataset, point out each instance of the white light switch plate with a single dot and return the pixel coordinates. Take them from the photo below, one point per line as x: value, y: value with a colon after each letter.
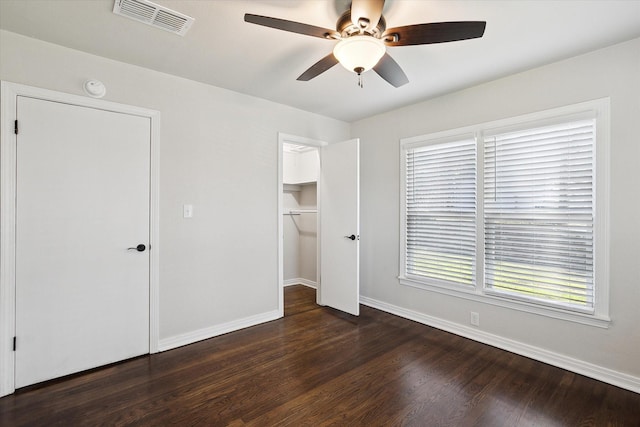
x: 187, y: 211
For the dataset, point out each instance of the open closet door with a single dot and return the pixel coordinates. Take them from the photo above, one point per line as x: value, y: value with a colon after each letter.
x: 340, y: 226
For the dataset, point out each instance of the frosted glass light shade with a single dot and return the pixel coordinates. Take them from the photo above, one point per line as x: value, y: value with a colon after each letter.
x: 359, y: 52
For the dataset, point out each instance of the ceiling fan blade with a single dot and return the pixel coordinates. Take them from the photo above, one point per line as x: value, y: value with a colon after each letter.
x: 318, y: 68
x: 388, y: 69
x: 291, y: 26
x: 366, y: 13
x: 436, y: 32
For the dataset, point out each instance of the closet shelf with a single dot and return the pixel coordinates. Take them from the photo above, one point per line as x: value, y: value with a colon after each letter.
x: 293, y: 187
x: 290, y: 188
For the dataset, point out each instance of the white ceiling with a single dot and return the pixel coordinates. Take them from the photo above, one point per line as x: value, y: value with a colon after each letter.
x: 222, y: 50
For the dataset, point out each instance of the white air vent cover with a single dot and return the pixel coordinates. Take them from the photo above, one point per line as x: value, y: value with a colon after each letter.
x: 154, y: 14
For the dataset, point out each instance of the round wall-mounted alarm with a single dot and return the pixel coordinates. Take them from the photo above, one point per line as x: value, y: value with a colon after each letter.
x: 95, y: 88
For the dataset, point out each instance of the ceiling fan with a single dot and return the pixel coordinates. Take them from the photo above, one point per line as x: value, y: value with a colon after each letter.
x: 363, y: 36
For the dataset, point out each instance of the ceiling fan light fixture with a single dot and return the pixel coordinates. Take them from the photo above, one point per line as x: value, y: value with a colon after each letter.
x: 359, y: 53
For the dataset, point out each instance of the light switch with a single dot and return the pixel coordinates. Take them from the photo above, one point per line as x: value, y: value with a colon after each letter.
x: 187, y: 211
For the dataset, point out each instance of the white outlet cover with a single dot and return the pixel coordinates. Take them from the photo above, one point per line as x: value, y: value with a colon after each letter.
x: 475, y: 318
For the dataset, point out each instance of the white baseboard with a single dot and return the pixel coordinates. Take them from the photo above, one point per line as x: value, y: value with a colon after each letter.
x: 600, y: 373
x: 206, y: 333
x: 300, y: 281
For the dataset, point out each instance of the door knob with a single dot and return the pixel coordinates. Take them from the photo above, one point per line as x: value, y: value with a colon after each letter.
x: 352, y: 237
x: 139, y: 248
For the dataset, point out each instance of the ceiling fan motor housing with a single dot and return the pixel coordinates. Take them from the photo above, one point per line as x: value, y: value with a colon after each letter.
x: 346, y: 28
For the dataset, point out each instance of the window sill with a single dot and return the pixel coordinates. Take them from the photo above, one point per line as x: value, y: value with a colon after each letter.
x: 473, y: 295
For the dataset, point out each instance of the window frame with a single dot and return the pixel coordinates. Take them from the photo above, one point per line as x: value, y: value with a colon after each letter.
x: 598, y: 109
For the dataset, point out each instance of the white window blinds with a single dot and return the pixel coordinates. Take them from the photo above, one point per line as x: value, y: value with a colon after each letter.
x: 441, y: 212
x: 539, y: 214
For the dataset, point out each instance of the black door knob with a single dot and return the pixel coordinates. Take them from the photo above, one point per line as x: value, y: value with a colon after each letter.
x: 139, y: 248
x: 352, y: 237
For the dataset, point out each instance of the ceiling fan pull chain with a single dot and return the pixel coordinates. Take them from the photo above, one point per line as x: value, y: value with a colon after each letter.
x: 359, y: 71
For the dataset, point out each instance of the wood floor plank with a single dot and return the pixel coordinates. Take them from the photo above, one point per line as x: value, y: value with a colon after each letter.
x: 317, y: 366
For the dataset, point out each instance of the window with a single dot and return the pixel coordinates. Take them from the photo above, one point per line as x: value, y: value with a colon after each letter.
x: 441, y: 211
x: 506, y: 212
x: 538, y: 213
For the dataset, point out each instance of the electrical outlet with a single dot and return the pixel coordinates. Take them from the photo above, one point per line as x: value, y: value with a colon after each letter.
x: 187, y: 211
x: 475, y: 318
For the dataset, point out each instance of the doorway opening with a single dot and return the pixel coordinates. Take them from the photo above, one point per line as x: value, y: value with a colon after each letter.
x: 299, y: 216
x: 337, y: 194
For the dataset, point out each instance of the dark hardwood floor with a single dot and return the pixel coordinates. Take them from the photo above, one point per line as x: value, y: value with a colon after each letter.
x: 317, y: 366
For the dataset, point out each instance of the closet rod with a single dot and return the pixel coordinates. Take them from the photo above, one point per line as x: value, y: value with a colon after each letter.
x: 302, y: 211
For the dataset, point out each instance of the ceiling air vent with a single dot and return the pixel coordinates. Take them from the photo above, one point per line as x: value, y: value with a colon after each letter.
x: 154, y: 14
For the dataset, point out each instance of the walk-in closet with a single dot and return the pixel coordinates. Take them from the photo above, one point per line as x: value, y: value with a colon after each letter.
x: 300, y: 170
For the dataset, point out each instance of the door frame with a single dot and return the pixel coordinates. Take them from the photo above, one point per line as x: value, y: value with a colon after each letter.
x: 284, y: 138
x: 9, y: 93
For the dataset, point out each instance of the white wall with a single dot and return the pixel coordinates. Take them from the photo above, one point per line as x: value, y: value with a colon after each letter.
x: 612, y: 72
x: 219, y: 153
x: 300, y: 235
x: 308, y: 240
x: 291, y: 232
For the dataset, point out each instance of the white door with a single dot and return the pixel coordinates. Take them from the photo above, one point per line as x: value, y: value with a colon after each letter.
x: 340, y: 226
x: 82, y: 297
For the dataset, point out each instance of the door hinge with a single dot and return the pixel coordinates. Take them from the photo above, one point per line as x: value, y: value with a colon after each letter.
x: 14, y: 343
x: 15, y: 127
